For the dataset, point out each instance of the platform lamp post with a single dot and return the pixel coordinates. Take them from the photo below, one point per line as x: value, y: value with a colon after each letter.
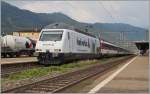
x: 87, y: 28
x: 3, y: 33
x: 146, y: 35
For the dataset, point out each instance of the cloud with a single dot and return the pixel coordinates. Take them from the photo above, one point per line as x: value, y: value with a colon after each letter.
x: 43, y: 7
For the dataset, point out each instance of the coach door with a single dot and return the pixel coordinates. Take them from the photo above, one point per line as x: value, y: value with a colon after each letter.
x: 72, y: 44
x: 69, y: 42
x: 93, y: 47
x: 72, y: 37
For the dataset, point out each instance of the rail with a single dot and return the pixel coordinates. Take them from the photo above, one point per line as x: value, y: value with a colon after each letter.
x: 58, y: 83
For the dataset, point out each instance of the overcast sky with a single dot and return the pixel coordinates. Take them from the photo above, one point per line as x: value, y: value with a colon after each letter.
x: 131, y: 12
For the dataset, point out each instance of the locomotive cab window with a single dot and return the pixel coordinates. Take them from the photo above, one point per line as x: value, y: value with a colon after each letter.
x: 51, y: 36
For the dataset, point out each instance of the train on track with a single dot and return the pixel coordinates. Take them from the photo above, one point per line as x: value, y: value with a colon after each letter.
x: 14, y: 46
x: 59, y: 43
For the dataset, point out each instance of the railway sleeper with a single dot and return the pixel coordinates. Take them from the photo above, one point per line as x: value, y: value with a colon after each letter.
x: 48, y: 86
x: 44, y: 88
x: 33, y: 91
x: 41, y: 89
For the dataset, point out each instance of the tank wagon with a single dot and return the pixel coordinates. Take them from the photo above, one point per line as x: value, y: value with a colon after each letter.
x: 15, y: 46
x: 60, y: 42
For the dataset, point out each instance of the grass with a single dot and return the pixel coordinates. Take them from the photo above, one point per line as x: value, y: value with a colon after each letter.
x: 38, y: 72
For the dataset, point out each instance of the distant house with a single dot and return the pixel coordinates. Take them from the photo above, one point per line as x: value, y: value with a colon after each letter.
x: 32, y: 34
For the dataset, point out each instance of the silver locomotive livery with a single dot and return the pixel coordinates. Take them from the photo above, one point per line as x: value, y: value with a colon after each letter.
x: 55, y: 45
x: 59, y: 42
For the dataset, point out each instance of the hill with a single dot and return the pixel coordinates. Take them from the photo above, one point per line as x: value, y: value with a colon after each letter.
x: 15, y: 19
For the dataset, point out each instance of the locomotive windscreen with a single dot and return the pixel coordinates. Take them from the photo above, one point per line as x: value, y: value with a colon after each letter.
x: 51, y: 36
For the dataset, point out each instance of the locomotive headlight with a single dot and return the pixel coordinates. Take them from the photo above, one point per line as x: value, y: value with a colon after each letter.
x: 54, y: 54
x: 57, y: 50
x: 38, y: 49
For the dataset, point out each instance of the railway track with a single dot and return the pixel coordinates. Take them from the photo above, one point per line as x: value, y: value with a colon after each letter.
x: 61, y: 82
x: 8, y: 69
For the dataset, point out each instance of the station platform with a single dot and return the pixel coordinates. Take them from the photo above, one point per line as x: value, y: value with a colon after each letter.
x: 17, y: 60
x: 132, y: 79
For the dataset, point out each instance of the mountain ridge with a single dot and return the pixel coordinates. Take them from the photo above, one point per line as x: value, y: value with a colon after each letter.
x: 15, y: 19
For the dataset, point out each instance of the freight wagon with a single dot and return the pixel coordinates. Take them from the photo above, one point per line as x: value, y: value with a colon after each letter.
x: 14, y: 46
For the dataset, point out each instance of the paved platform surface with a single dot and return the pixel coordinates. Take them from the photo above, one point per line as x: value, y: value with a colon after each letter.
x: 17, y: 60
x: 133, y: 79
